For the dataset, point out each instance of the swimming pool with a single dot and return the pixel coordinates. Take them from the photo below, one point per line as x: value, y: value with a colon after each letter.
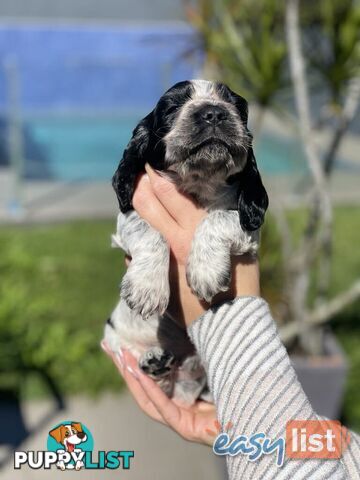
x: 80, y: 148
x: 75, y: 148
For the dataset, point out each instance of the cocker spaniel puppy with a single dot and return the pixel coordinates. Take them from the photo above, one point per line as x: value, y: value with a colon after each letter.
x: 196, y: 135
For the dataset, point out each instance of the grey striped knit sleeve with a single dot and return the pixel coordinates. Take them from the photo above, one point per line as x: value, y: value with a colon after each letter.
x: 255, y: 387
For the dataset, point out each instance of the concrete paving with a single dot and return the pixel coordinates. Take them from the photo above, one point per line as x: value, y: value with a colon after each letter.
x: 43, y: 201
x: 116, y: 423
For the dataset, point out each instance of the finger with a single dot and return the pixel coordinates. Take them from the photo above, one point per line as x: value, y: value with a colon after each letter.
x: 204, y: 407
x: 170, y: 412
x: 127, y: 260
x: 179, y: 205
x: 105, y: 347
x: 166, y: 407
x: 141, y: 397
x: 199, y: 406
x: 149, y: 208
x: 136, y: 389
x: 132, y: 383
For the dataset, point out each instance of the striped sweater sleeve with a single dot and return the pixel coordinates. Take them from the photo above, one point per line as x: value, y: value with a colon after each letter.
x: 255, y: 387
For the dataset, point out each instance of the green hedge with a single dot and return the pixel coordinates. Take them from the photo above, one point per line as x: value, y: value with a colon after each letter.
x: 58, y: 284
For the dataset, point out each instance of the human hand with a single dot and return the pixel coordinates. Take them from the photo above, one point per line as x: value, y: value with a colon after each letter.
x: 193, y: 423
x: 176, y: 216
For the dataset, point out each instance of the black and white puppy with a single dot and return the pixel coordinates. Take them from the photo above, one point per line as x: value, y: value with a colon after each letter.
x: 197, y: 135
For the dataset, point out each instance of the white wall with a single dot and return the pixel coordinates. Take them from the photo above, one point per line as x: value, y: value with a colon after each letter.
x: 120, y: 10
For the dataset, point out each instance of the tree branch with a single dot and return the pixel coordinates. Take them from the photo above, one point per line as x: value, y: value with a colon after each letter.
x: 323, y: 313
x: 343, y: 122
x: 348, y: 112
x: 282, y: 224
x: 297, y: 69
x: 320, y: 208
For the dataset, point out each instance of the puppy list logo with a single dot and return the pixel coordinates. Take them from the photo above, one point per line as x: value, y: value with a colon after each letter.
x: 75, y: 439
x: 70, y: 446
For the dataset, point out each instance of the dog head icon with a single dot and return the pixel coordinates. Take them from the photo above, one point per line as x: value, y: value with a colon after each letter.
x: 69, y: 435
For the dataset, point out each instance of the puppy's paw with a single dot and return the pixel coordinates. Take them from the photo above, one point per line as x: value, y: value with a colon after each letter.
x: 79, y: 465
x: 247, y: 242
x: 207, y: 279
x: 146, y: 294
x: 157, y: 362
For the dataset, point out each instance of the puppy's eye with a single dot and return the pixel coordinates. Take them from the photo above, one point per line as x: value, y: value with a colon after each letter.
x: 74, y: 431
x: 171, y: 109
x: 66, y: 434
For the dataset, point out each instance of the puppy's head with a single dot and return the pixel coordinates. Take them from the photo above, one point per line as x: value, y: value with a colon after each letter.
x: 69, y: 435
x: 197, y: 130
x: 205, y: 132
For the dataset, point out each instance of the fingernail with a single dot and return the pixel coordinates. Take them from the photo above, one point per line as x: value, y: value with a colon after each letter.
x: 119, y: 360
x: 132, y: 371
x: 150, y: 169
x: 121, y: 355
x: 104, y: 346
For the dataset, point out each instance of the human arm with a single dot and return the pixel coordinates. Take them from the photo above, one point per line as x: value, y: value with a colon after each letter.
x: 250, y: 375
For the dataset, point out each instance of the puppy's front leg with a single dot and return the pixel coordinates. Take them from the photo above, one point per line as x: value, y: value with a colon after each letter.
x: 61, y: 464
x: 145, y: 285
x: 79, y: 463
x: 216, y: 238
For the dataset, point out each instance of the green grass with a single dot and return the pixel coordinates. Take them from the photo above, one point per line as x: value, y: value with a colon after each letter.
x: 60, y: 282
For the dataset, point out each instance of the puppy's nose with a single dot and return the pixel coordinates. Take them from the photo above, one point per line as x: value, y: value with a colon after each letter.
x: 213, y: 114
x: 81, y: 435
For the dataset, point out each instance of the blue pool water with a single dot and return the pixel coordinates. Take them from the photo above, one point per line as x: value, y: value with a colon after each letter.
x: 74, y: 149
x: 81, y: 148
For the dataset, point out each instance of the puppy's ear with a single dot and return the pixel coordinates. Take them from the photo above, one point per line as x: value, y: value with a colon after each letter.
x: 253, y: 200
x: 241, y: 106
x: 237, y: 100
x: 58, y: 433
x: 77, y: 426
x: 132, y: 163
